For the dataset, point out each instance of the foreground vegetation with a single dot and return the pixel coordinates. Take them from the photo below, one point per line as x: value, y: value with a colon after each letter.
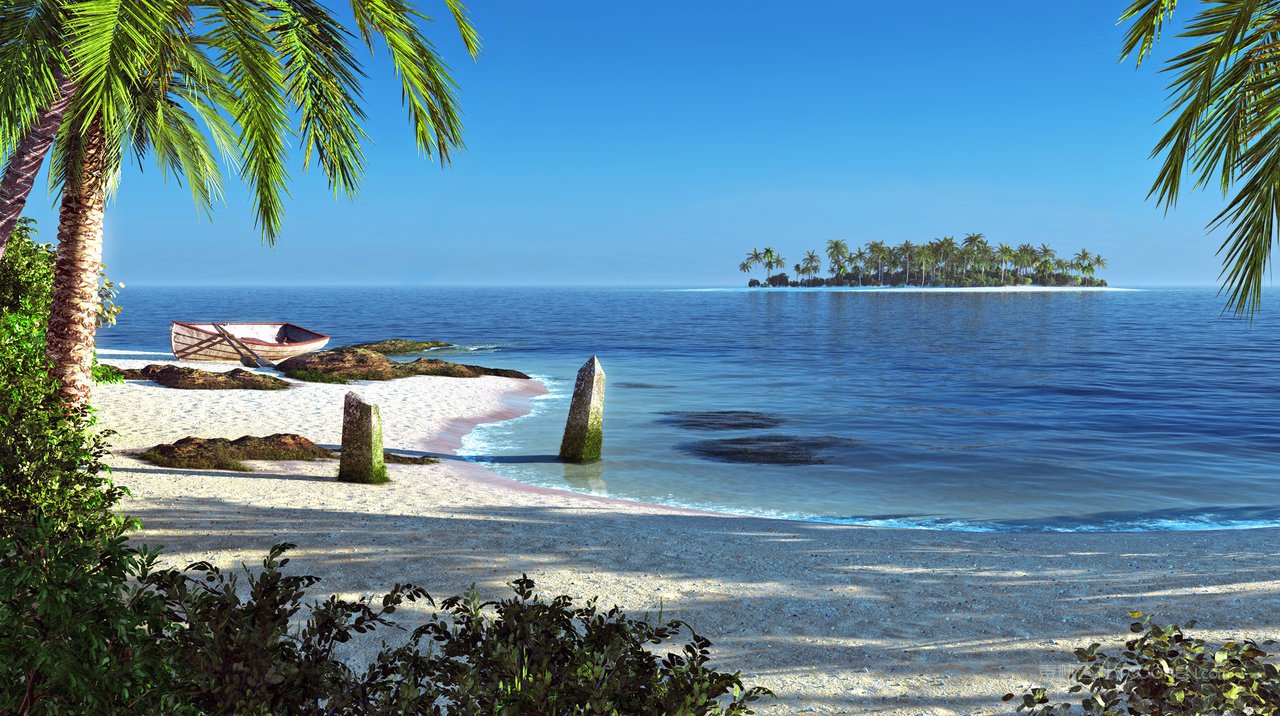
x: 941, y: 262
x: 89, y: 624
x: 1164, y: 671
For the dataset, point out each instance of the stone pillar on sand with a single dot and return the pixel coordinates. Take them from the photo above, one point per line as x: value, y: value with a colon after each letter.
x: 583, y: 433
x: 361, y: 459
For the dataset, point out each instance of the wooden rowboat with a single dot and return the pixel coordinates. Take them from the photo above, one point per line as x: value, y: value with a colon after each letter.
x: 243, y: 342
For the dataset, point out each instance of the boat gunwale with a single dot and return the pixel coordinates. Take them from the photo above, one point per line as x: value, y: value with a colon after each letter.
x: 196, y: 327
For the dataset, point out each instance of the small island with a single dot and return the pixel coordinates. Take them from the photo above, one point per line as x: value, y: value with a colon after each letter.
x: 941, y: 263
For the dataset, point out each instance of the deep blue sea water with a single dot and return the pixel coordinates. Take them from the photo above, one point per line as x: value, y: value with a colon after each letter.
x: 1141, y: 410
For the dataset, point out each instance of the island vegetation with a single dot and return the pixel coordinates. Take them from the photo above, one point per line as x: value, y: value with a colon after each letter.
x: 945, y: 262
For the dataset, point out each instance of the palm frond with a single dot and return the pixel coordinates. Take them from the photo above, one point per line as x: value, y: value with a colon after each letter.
x: 1149, y: 18
x: 427, y: 88
x: 1225, y: 116
x: 30, y: 52
x: 241, y: 32
x: 322, y: 79
x: 462, y: 18
x: 112, y: 42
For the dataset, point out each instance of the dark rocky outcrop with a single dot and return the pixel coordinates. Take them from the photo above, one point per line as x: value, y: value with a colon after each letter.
x: 393, y: 459
x: 222, y: 454
x: 184, y: 378
x: 429, y: 366
x: 401, y: 346
x: 340, y: 365
x: 193, y: 453
x: 351, y: 363
x: 721, y: 420
x: 768, y: 449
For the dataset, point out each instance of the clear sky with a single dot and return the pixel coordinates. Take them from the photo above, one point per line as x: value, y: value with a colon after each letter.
x: 645, y: 142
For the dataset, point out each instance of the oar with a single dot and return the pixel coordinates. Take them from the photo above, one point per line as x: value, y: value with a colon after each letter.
x: 240, y: 346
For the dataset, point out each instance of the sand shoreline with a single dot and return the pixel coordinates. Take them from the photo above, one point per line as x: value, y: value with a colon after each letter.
x: 836, y: 619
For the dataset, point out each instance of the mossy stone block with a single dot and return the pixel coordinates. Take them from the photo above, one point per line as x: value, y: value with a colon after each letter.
x: 362, y: 458
x: 584, y: 430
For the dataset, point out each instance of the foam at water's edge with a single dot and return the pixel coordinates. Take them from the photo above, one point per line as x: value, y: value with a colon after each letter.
x: 124, y: 352
x: 481, y: 440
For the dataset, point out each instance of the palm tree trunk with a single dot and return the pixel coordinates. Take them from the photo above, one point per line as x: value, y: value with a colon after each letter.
x: 74, y: 311
x: 28, y: 156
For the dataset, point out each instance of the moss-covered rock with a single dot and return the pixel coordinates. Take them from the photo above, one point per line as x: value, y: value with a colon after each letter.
x: 184, y: 378
x: 341, y: 365
x: 401, y: 346
x: 193, y: 453
x: 394, y: 459
x: 353, y: 363
x: 222, y: 454
x: 429, y: 366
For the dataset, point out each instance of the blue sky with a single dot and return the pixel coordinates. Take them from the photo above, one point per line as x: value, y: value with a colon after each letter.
x: 655, y: 142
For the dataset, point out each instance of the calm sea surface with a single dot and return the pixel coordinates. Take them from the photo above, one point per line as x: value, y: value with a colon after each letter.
x: 1142, y: 410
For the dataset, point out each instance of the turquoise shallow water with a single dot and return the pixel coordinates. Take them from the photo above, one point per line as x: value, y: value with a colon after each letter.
x: 1143, y: 410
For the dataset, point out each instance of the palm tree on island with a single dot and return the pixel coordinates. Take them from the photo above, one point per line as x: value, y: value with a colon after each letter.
x: 937, y: 263
x: 858, y: 259
x: 838, y: 258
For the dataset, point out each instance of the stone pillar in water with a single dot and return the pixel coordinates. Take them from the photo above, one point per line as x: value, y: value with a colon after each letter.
x: 362, y: 458
x: 583, y: 432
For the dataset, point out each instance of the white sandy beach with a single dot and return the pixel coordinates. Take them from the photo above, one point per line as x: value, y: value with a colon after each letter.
x: 834, y: 619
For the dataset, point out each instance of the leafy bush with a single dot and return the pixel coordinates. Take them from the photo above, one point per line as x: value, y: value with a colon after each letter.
x: 26, y: 273
x: 106, y: 374
x: 1163, y: 671
x: 93, y: 628
x: 518, y: 655
x: 26, y: 278
x: 524, y: 655
x: 50, y: 463
x: 75, y: 636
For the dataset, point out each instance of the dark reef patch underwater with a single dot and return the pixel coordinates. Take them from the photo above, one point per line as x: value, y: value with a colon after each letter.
x: 721, y: 420
x: 768, y: 449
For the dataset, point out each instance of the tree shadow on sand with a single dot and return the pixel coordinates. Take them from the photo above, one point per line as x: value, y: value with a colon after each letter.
x: 896, y: 621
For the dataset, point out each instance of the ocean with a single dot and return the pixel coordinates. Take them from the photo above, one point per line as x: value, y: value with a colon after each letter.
x: 932, y: 409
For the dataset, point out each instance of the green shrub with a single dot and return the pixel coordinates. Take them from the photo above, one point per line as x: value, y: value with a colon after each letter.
x: 26, y: 273
x: 525, y: 655
x: 26, y: 278
x: 1164, y: 671
x: 50, y: 462
x: 76, y: 636
x: 90, y: 627
x: 106, y: 374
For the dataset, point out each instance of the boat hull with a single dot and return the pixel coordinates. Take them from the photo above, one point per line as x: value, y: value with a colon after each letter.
x: 271, y: 341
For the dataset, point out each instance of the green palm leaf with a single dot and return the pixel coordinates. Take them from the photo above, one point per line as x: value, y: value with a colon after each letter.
x: 1224, y: 120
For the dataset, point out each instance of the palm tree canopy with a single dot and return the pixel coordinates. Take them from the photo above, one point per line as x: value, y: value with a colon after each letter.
x: 1224, y: 129
x: 187, y: 81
